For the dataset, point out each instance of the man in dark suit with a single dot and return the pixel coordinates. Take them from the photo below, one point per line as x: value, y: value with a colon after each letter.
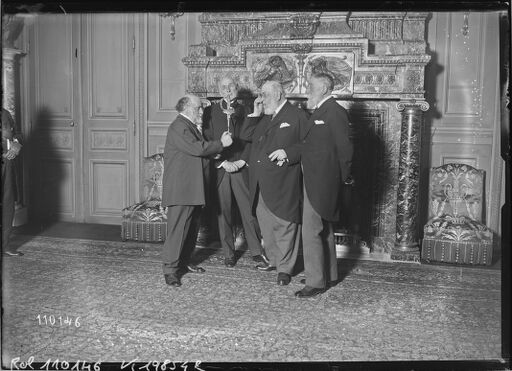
x: 230, y: 174
x: 325, y: 153
x: 186, y: 164
x: 11, y: 148
x: 275, y: 190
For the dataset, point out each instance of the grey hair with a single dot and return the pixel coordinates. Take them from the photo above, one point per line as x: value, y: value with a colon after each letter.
x: 184, y: 102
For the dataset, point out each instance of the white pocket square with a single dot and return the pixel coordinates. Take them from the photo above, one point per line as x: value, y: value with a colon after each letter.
x: 319, y: 122
x: 284, y: 125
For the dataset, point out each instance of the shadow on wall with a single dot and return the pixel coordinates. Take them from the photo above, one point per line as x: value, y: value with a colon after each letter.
x: 47, y: 172
x: 360, y: 202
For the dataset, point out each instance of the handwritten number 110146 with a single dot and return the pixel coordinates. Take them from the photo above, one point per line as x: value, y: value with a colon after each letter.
x: 51, y: 320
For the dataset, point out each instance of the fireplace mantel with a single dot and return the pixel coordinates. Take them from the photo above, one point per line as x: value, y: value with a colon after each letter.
x: 378, y: 63
x: 375, y: 56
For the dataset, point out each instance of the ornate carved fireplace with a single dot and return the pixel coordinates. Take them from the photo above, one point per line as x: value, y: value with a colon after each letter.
x: 377, y: 61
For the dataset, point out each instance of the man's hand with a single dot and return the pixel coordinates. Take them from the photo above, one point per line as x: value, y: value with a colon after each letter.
x: 258, y: 106
x: 226, y: 139
x: 230, y: 167
x: 240, y: 164
x: 13, y: 152
x: 278, y: 154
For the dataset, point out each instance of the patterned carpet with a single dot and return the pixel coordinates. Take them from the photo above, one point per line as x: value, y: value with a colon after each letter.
x: 119, y: 309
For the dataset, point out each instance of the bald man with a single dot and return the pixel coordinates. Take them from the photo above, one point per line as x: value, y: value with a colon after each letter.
x: 275, y: 190
x: 230, y: 174
x: 186, y: 164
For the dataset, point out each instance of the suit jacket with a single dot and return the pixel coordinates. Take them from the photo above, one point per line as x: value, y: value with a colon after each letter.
x: 186, y: 164
x: 9, y: 130
x: 215, y: 124
x: 280, y: 186
x: 325, y: 151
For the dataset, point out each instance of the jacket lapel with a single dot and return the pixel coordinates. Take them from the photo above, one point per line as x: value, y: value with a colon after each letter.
x: 277, y: 118
x: 317, y: 114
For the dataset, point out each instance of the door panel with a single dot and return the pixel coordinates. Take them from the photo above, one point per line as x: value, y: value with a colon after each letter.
x: 109, y: 115
x: 55, y: 138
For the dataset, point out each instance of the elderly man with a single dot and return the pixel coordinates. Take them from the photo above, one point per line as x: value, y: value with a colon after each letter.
x: 275, y: 190
x: 186, y: 164
x: 325, y: 152
x: 230, y: 174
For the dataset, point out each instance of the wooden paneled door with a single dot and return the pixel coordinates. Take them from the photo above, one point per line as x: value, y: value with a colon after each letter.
x: 83, y: 136
x: 108, y: 106
x: 54, y: 143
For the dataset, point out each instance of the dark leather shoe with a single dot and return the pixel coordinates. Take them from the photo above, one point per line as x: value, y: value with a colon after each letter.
x: 229, y: 262
x: 283, y: 279
x: 308, y: 292
x: 172, y: 280
x: 13, y: 253
x: 265, y: 268
x: 261, y: 259
x: 195, y: 269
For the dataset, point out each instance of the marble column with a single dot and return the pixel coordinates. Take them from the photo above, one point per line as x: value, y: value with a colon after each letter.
x: 407, y: 234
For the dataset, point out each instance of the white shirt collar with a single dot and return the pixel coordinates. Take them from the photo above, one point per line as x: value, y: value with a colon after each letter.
x: 322, y: 102
x: 279, y: 108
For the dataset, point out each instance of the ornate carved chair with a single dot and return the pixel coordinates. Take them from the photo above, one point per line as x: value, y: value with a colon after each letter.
x: 455, y: 232
x: 147, y: 220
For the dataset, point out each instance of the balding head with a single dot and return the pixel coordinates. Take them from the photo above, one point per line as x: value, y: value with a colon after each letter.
x: 190, y: 105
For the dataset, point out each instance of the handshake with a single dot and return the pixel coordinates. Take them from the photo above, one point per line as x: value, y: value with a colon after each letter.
x: 226, y: 139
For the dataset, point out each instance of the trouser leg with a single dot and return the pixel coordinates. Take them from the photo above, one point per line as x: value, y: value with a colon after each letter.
x: 266, y: 223
x: 191, y: 239
x: 331, y: 261
x: 285, y: 238
x: 318, y: 247
x: 224, y: 217
x: 179, y: 219
x: 249, y: 222
x: 7, y: 202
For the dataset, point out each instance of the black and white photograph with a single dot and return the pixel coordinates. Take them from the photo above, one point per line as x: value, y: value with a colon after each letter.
x: 307, y: 187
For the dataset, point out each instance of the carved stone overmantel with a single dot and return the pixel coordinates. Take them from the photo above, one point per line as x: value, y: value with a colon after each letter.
x: 253, y: 46
x: 375, y: 59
